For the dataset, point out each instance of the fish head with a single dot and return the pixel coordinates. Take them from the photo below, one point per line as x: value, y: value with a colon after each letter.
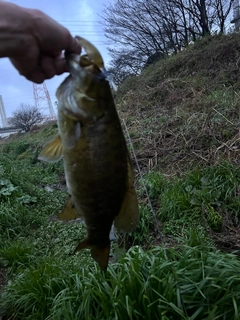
x: 80, y: 93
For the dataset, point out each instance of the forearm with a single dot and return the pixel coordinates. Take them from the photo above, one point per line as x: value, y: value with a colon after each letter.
x: 14, y: 23
x: 34, y: 42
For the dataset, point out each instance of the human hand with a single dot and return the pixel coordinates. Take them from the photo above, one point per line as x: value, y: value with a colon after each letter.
x: 34, y: 42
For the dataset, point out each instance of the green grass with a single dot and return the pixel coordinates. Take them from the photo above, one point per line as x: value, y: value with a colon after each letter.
x: 17, y: 254
x: 142, y: 285
x: 205, y: 195
x: 47, y: 282
x: 183, y: 118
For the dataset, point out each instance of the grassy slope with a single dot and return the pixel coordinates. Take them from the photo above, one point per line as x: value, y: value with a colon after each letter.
x: 183, y: 118
x: 184, y: 111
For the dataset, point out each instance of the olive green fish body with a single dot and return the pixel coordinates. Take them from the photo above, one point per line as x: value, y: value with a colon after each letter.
x: 97, y: 165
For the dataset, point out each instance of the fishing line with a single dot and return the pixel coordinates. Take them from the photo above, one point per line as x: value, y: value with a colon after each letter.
x: 155, y: 220
x: 144, y: 185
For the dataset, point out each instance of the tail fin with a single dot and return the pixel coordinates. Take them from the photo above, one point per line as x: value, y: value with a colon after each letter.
x: 99, y: 254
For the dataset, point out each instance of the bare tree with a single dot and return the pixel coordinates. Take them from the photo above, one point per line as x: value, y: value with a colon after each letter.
x: 222, y: 9
x: 203, y: 17
x: 26, y: 116
x: 124, y: 65
x: 139, y: 26
x: 159, y: 27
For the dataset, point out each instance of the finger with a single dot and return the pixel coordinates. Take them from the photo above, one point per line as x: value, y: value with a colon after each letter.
x: 28, y: 70
x: 36, y: 76
x: 24, y: 66
x: 60, y: 65
x: 47, y: 66
x: 53, y: 66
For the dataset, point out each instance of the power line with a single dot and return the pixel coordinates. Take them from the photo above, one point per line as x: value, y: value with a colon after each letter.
x: 91, y: 32
x: 83, y: 25
x: 80, y: 21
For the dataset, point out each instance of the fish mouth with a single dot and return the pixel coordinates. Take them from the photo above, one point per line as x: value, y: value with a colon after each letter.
x: 73, y: 63
x: 91, y: 61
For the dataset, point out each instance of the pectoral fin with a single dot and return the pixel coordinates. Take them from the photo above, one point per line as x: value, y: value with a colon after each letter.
x: 69, y: 211
x: 52, y: 152
x: 128, y: 217
x: 71, y: 134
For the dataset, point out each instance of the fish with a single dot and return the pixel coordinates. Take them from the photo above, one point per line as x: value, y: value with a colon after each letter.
x: 98, y: 169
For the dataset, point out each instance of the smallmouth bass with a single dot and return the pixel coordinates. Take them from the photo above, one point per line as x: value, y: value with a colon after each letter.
x: 97, y: 165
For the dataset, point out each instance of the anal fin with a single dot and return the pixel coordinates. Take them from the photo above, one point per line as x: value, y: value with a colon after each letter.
x: 69, y: 211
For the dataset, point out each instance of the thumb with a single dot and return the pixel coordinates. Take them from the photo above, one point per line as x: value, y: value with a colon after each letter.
x: 74, y: 46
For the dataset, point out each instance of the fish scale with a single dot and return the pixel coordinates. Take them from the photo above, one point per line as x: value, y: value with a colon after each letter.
x: 97, y: 165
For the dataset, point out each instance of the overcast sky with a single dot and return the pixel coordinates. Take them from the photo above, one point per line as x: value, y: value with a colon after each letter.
x: 81, y: 17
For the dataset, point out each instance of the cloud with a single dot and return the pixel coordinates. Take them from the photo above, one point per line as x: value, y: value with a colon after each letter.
x: 86, y: 13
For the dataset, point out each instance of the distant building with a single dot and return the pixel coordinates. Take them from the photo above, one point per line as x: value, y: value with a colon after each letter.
x: 8, y: 129
x: 3, y: 116
x: 7, y: 122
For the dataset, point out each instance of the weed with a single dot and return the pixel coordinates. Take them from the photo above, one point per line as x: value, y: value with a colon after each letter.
x: 183, y: 118
x: 202, y: 194
x: 141, y: 286
x: 154, y: 182
x: 143, y: 235
x: 18, y: 254
x: 6, y: 188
